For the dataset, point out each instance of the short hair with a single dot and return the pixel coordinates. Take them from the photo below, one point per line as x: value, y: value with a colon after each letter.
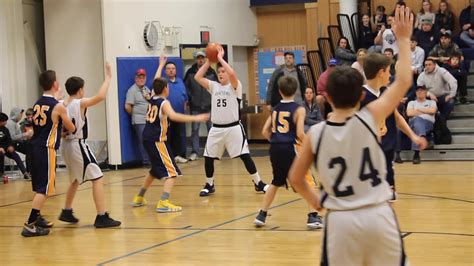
x: 431, y: 60
x: 413, y: 38
x: 389, y: 50
x: 29, y: 111
x: 345, y: 87
x: 380, y: 8
x: 73, y: 85
x: 287, y: 85
x: 159, y: 85
x: 373, y: 63
x: 289, y: 53
x: 170, y: 63
x: 47, y: 79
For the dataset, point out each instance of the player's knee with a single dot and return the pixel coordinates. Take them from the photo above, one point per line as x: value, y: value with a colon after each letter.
x: 249, y: 164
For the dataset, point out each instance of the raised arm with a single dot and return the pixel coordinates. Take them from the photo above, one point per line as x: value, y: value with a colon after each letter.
x: 385, y: 105
x: 161, y: 65
x: 234, y: 81
x: 168, y: 110
x: 100, y: 96
x: 378, y: 38
x: 199, y: 77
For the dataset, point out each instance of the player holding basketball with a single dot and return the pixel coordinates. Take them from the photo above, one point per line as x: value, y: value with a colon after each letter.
x: 155, y: 142
x: 360, y: 227
x: 48, y: 119
x: 80, y: 161
x: 226, y: 132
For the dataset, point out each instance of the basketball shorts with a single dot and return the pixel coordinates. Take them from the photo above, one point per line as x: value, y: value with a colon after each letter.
x: 161, y: 159
x: 365, y: 236
x: 231, y: 138
x: 80, y: 161
x: 308, y: 176
x: 281, y: 157
x: 43, y: 172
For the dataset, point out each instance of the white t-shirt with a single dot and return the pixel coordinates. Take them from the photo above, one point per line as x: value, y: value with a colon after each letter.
x: 225, y: 102
x: 425, y: 104
x: 389, y: 41
x: 79, y: 121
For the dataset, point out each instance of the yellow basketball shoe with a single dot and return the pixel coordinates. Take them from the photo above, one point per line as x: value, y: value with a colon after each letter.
x: 167, y: 206
x: 138, y: 201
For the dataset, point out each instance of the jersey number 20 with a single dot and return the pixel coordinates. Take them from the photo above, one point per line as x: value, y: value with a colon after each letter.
x: 372, y: 174
x: 152, y: 113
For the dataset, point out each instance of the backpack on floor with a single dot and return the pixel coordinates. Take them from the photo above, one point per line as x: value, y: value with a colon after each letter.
x: 441, y: 131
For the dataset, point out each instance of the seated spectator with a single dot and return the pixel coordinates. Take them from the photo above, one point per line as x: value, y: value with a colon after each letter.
x: 321, y: 86
x: 425, y: 14
x: 422, y: 117
x: 468, y: 37
x: 386, y: 37
x: 359, y: 64
x: 366, y: 34
x: 455, y: 69
x: 27, y: 123
x: 344, y: 54
x: 465, y: 17
x: 19, y: 138
x: 313, y: 115
x: 417, y: 57
x: 7, y: 149
x: 427, y: 37
x: 441, y: 85
x: 379, y: 19
x: 444, y: 17
x: 445, y: 49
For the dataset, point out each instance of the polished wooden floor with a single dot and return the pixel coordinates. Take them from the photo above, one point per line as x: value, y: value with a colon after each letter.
x: 435, y: 210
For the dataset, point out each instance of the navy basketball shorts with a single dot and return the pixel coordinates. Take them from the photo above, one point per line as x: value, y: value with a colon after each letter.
x: 43, y: 172
x: 281, y: 157
x: 161, y: 159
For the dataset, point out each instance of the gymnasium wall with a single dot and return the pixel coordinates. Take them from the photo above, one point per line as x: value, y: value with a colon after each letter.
x: 231, y: 22
x: 73, y: 36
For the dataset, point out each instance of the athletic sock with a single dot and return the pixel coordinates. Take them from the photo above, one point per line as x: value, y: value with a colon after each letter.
x: 210, y: 180
x: 165, y: 196
x: 142, y: 192
x: 33, y: 215
x: 256, y: 178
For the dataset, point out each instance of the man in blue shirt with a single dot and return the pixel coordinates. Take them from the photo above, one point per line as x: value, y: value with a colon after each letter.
x: 178, y: 99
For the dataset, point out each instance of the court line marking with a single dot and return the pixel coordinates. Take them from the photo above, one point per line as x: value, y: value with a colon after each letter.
x: 437, y: 197
x: 406, y: 234
x: 64, y: 193
x: 192, y: 234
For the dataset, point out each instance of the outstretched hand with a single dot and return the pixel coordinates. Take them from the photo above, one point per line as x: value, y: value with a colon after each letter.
x: 202, y: 117
x: 163, y: 59
x: 402, y: 24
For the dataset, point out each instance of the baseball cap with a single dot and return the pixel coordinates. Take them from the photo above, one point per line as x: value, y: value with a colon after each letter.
x: 332, y: 62
x: 427, y: 21
x: 140, y: 72
x: 3, y: 117
x: 199, y: 53
x: 446, y: 34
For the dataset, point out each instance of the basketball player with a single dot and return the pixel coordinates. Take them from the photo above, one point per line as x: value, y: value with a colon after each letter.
x: 377, y: 72
x: 226, y: 131
x: 284, y: 129
x: 154, y: 140
x: 360, y: 226
x: 49, y: 117
x: 80, y: 161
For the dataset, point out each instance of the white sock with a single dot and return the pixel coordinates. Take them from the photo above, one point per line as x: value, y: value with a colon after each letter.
x: 256, y: 178
x: 210, y: 180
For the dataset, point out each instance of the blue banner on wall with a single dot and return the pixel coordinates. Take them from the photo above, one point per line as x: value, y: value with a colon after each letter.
x: 126, y: 68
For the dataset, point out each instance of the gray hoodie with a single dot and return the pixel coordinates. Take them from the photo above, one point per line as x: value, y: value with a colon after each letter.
x: 13, y: 125
x: 439, y: 82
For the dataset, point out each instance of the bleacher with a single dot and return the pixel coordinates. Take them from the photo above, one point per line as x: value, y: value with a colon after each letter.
x: 461, y: 122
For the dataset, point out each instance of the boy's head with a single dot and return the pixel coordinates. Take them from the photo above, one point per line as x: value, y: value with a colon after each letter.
x: 421, y: 92
x: 75, y: 86
x: 388, y: 52
x: 287, y: 86
x: 47, y: 81
x: 380, y: 10
x: 222, y: 75
x: 160, y: 87
x: 413, y: 42
x: 29, y: 114
x: 3, y: 119
x: 344, y: 87
x: 377, y: 66
x: 454, y: 60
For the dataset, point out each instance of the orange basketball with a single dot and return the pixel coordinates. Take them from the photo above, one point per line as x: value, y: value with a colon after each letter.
x: 211, y: 51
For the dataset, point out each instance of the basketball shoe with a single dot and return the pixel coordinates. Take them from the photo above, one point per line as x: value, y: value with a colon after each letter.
x: 32, y: 229
x: 260, y: 187
x: 138, y: 201
x: 260, y: 219
x: 103, y: 221
x: 68, y: 216
x: 167, y: 206
x: 208, y: 189
x: 315, y: 221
